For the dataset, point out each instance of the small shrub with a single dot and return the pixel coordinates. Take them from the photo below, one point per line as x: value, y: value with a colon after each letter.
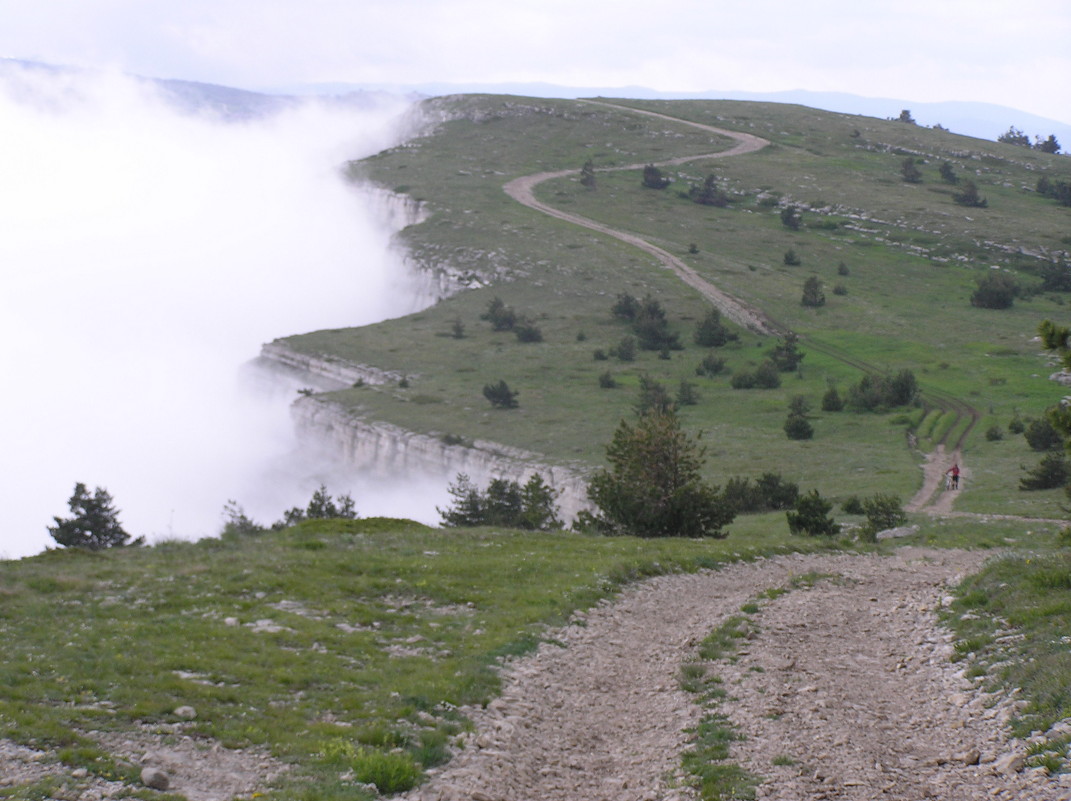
x: 711, y: 365
x: 654, y: 486
x: 852, y: 505
x: 654, y: 397
x: 791, y: 218
x: 882, y: 512
x: 607, y: 381
x: 530, y: 507
x: 501, y: 316
x: 840, y: 290
x: 1053, y: 471
x: 994, y: 433
x: 969, y: 196
x: 94, y: 523
x: 996, y: 290
x: 742, y: 380
x: 321, y: 507
x: 767, y: 376
x: 813, y: 296
x: 786, y: 354
x: 791, y: 258
x: 1016, y: 425
x: 625, y: 350
x: 587, y: 175
x: 842, y: 269
x: 653, y: 178
x: 687, y: 394
x: 599, y: 355
x: 909, y: 172
x: 811, y: 516
x: 236, y: 522
x: 832, y: 400
x: 709, y: 194
x: 711, y: 332
x: 876, y: 391
x: 527, y: 331
x: 770, y: 492
x: 798, y: 427
x: 457, y: 329
x: 1042, y: 436
x: 500, y: 395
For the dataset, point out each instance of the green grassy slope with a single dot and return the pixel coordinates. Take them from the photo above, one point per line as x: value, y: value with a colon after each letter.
x: 379, y: 630
x: 912, y: 258
x: 344, y: 648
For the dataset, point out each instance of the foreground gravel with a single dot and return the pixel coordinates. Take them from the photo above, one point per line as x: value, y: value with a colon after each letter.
x: 846, y: 692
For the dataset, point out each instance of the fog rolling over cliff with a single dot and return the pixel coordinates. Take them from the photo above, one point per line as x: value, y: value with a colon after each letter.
x: 147, y: 252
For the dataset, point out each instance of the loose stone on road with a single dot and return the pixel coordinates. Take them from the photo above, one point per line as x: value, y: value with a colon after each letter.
x: 846, y: 692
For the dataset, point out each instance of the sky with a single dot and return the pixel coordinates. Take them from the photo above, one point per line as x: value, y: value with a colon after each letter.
x: 998, y: 51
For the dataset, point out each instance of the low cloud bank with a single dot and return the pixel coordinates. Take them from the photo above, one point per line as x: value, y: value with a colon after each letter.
x: 147, y: 254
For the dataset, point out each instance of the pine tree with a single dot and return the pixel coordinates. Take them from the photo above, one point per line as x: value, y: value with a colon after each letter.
x: 653, y: 178
x: 94, y: 523
x: 909, y: 172
x: 587, y: 175
x: 813, y: 295
x: 709, y: 194
x: 653, y: 487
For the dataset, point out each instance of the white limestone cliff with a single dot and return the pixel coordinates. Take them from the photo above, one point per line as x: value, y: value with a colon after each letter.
x: 389, y: 450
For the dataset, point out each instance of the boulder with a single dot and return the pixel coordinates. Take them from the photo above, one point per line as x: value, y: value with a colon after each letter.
x: 155, y: 778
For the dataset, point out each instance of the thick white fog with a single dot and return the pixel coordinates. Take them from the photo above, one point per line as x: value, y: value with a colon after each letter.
x: 146, y: 254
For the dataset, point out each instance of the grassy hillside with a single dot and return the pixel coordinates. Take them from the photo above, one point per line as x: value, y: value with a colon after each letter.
x: 309, y: 643
x: 905, y: 257
x: 344, y: 649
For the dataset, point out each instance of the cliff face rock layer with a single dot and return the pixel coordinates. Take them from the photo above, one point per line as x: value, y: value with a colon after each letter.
x: 389, y: 450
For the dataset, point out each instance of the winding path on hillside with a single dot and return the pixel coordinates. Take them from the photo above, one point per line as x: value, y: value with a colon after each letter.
x: 523, y: 191
x: 843, y: 689
x: 929, y: 497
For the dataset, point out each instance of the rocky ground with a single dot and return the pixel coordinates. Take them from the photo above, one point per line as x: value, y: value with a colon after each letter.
x: 845, y: 690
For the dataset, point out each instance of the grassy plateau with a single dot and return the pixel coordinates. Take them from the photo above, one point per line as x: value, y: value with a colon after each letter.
x: 348, y: 650
x: 904, y: 259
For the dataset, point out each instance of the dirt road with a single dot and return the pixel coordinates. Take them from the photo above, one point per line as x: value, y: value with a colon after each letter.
x: 846, y: 692
x: 522, y: 190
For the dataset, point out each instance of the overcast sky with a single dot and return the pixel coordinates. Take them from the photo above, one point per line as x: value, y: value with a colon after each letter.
x: 1010, y: 53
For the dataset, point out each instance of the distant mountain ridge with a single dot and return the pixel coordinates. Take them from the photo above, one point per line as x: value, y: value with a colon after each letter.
x: 980, y: 120
x: 227, y: 102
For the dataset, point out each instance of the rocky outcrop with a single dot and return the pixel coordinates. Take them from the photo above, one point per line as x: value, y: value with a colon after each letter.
x: 387, y: 450
x: 390, y: 450
x: 338, y: 373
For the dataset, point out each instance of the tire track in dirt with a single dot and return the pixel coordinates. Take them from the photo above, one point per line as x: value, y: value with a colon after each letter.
x: 846, y: 691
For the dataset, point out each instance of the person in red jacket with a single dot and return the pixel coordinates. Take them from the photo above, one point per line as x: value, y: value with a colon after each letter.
x: 953, y: 476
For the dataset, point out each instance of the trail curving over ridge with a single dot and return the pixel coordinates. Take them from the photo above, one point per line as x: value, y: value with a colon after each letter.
x: 522, y: 190
x: 743, y: 314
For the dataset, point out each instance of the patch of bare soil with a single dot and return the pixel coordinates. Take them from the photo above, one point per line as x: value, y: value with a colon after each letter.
x: 197, y: 770
x: 847, y: 692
